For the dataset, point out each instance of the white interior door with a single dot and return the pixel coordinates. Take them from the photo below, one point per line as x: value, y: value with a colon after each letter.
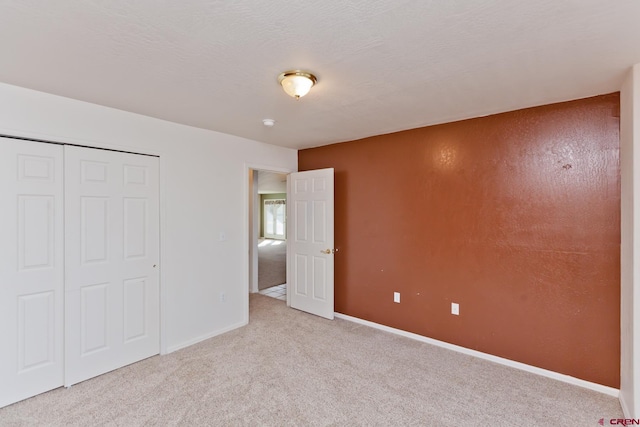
x: 31, y: 269
x: 111, y: 257
x: 310, y: 238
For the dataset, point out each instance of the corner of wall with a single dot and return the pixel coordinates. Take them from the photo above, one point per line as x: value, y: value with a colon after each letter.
x: 630, y: 241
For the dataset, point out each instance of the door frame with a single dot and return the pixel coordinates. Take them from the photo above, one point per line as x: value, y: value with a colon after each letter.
x: 250, y: 258
x: 160, y: 154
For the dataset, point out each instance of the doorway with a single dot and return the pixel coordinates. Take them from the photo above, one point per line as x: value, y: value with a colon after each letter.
x: 310, y: 229
x: 268, y: 244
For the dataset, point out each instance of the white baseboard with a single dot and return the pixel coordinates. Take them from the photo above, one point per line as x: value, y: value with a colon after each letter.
x: 625, y: 409
x: 501, y: 360
x: 201, y: 338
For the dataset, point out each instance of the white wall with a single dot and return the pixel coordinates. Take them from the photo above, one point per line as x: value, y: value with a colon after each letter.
x: 630, y: 243
x: 204, y: 184
x: 271, y: 182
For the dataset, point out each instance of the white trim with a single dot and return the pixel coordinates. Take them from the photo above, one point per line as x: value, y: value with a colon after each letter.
x: 623, y: 404
x: 510, y: 363
x: 163, y: 233
x: 205, y: 337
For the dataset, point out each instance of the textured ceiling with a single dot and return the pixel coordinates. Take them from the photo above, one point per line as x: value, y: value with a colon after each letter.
x: 382, y: 65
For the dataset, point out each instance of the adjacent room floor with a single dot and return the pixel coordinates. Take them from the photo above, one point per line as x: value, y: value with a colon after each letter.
x: 272, y: 268
x: 272, y: 263
x: 277, y: 292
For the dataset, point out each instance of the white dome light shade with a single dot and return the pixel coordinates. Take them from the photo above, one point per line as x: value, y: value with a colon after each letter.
x: 297, y: 83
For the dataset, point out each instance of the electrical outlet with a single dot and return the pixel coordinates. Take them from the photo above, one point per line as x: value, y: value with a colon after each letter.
x: 455, y: 308
x: 222, y: 236
x: 396, y: 297
x: 223, y: 297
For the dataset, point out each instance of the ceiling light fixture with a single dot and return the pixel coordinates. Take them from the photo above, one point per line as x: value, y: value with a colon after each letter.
x: 297, y: 83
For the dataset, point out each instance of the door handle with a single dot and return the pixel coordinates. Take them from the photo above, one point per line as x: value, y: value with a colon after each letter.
x: 329, y: 251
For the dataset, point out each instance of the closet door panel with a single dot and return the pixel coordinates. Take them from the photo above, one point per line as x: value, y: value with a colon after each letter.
x: 31, y: 269
x: 112, y: 252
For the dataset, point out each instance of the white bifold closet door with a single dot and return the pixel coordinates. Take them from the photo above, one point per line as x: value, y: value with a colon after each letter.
x: 31, y: 269
x: 79, y: 248
x: 111, y: 256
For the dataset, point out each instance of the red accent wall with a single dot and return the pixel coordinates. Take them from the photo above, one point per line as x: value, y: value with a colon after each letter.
x: 514, y: 216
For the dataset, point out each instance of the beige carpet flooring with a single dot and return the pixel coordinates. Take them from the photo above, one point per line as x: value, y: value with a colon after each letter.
x: 272, y: 264
x: 288, y: 368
